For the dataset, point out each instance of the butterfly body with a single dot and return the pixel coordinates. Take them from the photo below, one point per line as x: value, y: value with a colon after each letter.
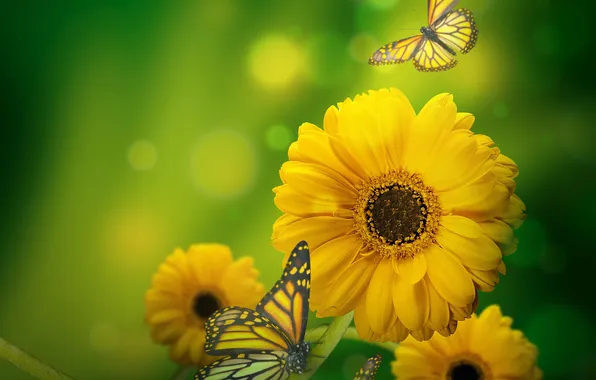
x: 434, y: 49
x: 429, y: 34
x: 266, y: 343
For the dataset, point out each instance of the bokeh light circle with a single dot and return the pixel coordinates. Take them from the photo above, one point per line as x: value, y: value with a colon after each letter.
x: 279, y: 137
x: 362, y: 46
x: 224, y: 164
x: 142, y: 155
x: 276, y: 61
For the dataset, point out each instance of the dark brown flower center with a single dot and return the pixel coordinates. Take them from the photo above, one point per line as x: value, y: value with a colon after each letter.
x: 465, y: 370
x: 205, y: 304
x: 397, y: 214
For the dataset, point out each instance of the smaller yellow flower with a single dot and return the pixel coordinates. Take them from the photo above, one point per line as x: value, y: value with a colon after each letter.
x: 188, y: 288
x: 482, y: 348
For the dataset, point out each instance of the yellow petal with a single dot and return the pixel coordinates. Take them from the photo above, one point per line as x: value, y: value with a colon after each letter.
x: 438, y: 308
x: 380, y: 311
x: 330, y: 121
x: 209, y: 262
x: 240, y: 283
x: 396, y: 333
x: 450, y: 278
x: 328, y: 261
x: 316, y: 230
x: 290, y: 201
x: 423, y: 334
x: 411, y: 269
x: 319, y: 148
x: 411, y: 302
x: 477, y: 253
x: 485, y: 280
x: 461, y: 225
x: 359, y: 128
x: 463, y: 120
x: 350, y: 287
x: 457, y: 161
x: 319, y: 182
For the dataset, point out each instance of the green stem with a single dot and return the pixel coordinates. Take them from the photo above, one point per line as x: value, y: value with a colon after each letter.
x: 352, y: 334
x: 29, y: 364
x: 324, y: 345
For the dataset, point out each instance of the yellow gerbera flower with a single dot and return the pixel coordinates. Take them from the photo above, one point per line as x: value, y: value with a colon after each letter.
x: 483, y: 348
x: 188, y: 288
x: 406, y: 215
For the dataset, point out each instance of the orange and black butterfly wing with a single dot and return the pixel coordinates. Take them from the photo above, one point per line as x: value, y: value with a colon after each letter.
x: 457, y: 29
x: 268, y: 365
x: 235, y: 330
x: 396, y: 52
x: 370, y: 368
x: 287, y: 304
x: 432, y: 57
x: 439, y: 8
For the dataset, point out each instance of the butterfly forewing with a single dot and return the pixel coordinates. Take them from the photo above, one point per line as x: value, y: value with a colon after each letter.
x: 438, y: 8
x: 458, y: 29
x: 247, y: 366
x: 369, y: 369
x: 236, y: 329
x: 396, y: 51
x: 286, y: 305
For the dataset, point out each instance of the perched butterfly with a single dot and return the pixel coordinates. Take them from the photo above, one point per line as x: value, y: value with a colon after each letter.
x: 434, y: 49
x: 266, y: 343
x: 370, y: 368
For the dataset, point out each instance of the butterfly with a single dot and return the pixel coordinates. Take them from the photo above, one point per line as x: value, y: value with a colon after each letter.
x: 434, y: 49
x: 266, y: 343
x: 369, y: 369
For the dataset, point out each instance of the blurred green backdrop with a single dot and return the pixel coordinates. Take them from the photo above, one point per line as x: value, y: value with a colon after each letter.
x: 130, y: 128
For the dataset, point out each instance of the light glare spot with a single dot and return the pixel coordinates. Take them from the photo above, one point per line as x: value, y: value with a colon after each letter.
x: 275, y: 61
x: 142, y: 155
x: 224, y: 164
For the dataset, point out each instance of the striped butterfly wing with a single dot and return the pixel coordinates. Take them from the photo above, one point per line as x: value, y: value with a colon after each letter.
x: 236, y: 330
x: 396, y: 51
x: 432, y: 57
x: 457, y: 29
x: 439, y: 8
x: 268, y: 365
x: 287, y: 304
x: 370, y: 368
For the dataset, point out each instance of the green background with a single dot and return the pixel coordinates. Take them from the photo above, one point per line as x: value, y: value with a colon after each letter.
x: 130, y: 128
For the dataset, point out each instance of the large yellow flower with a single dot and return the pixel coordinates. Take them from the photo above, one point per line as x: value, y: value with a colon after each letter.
x: 188, y: 288
x: 406, y: 215
x: 483, y: 348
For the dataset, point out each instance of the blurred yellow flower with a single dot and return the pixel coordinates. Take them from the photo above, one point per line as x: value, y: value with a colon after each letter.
x: 406, y: 215
x: 188, y: 288
x: 483, y: 348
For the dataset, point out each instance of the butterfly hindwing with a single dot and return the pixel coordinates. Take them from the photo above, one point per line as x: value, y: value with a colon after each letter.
x: 236, y: 329
x: 269, y: 365
x: 433, y: 57
x: 286, y: 305
x: 396, y: 51
x: 439, y: 8
x: 369, y: 369
x: 457, y: 29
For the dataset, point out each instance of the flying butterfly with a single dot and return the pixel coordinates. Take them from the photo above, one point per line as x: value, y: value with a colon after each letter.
x: 435, y: 48
x: 369, y: 369
x: 266, y: 343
